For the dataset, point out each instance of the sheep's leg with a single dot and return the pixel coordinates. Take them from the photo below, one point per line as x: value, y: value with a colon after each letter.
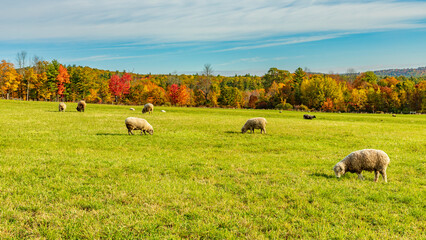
x: 376, y: 176
x: 384, y: 175
x: 360, y: 176
x: 129, y: 131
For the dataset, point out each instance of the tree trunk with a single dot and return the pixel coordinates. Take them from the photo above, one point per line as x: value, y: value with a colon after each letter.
x: 28, y: 91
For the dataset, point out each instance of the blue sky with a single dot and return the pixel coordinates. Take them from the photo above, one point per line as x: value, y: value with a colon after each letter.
x: 235, y: 37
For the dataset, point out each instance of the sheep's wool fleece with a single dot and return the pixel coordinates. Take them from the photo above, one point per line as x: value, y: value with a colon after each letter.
x: 81, y: 105
x: 148, y: 108
x: 138, y: 123
x: 62, y: 106
x: 366, y: 159
x: 255, y: 123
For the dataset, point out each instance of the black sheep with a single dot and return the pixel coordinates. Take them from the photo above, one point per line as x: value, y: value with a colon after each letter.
x: 306, y: 116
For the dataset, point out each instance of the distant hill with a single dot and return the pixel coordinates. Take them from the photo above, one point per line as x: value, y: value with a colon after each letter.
x: 406, y: 72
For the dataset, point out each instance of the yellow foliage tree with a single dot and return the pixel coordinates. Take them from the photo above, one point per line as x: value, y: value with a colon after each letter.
x: 42, y: 90
x: 31, y: 78
x: 359, y: 98
x: 9, y: 81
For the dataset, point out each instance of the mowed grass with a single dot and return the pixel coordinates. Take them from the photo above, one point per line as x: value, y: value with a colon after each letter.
x: 79, y: 175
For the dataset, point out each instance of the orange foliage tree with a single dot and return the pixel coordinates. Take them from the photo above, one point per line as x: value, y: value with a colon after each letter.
x: 62, y: 78
x: 328, y: 105
x: 183, y: 95
x: 154, y: 94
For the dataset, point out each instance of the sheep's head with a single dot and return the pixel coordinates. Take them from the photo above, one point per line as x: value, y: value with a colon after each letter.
x: 339, y: 170
x: 244, y: 129
x: 151, y: 131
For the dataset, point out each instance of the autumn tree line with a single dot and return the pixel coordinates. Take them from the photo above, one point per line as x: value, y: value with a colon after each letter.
x: 278, y: 89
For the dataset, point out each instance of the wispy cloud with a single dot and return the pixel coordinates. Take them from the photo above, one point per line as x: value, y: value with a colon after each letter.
x: 280, y: 42
x: 172, y: 21
x: 100, y: 58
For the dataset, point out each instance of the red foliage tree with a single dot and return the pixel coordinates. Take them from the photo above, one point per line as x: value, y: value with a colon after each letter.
x: 120, y: 85
x: 173, y: 94
x: 62, y: 78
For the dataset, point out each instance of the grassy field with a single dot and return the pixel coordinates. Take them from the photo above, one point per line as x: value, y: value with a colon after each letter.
x: 79, y: 175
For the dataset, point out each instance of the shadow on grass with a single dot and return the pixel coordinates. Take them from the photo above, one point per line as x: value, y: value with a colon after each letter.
x: 71, y: 111
x: 239, y: 132
x: 111, y: 134
x: 322, y: 175
x: 233, y: 132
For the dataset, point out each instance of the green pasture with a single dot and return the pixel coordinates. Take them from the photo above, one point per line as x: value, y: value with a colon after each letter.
x: 75, y: 175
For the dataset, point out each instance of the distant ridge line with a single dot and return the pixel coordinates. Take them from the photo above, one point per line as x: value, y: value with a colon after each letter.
x: 406, y: 72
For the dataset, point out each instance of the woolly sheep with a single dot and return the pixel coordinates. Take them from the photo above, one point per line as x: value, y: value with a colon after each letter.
x: 133, y: 123
x: 255, y: 123
x: 62, y: 107
x: 148, y: 108
x: 132, y: 109
x: 81, y: 106
x: 306, y: 116
x: 366, y: 159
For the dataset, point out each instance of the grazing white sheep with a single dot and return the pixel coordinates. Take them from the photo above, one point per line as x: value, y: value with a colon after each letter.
x: 149, y: 108
x: 62, y: 107
x: 133, y: 123
x: 81, y: 106
x: 255, y: 123
x: 364, y: 160
x: 163, y: 110
x: 132, y: 109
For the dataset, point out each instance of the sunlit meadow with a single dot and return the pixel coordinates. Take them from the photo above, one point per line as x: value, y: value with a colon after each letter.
x: 79, y: 175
